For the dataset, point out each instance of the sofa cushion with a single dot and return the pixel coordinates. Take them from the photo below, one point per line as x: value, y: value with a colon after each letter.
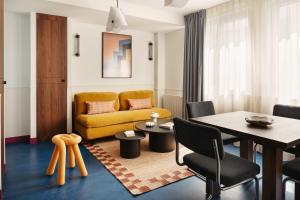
x: 98, y: 107
x: 80, y: 100
x: 107, y: 119
x: 138, y: 94
x: 137, y: 104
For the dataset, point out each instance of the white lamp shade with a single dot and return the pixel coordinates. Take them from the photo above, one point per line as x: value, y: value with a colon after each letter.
x: 116, y: 20
x: 176, y: 3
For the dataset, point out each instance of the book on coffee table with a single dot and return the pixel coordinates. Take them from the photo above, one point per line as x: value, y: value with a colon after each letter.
x: 168, y: 125
x: 129, y: 133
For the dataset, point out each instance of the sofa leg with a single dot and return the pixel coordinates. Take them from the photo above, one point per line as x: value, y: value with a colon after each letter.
x: 88, y: 142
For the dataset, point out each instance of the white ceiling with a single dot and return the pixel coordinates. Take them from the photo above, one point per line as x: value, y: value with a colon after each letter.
x: 146, y: 15
x: 192, y: 5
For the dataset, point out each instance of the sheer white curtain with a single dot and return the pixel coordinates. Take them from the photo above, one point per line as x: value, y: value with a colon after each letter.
x: 252, y: 55
x: 280, y: 61
x: 228, y: 56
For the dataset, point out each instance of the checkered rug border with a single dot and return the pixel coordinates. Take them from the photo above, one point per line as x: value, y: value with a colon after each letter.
x: 134, y: 185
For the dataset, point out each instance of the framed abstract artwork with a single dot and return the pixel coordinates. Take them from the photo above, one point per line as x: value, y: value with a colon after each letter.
x: 116, y: 55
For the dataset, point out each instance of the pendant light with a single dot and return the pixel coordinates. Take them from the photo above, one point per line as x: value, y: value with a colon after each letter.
x: 176, y: 3
x: 116, y: 20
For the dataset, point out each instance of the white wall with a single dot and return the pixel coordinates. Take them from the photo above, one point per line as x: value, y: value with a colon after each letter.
x: 86, y: 70
x: 160, y: 66
x: 32, y: 28
x: 174, y: 62
x: 17, y: 74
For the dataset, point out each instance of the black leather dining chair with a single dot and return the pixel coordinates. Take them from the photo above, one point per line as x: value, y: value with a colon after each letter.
x: 209, y: 161
x: 289, y: 112
x: 284, y: 111
x: 206, y: 108
x: 292, y: 170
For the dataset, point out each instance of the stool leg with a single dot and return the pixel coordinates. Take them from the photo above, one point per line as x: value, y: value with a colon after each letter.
x: 71, y: 157
x: 53, y: 162
x: 79, y: 160
x: 61, y: 165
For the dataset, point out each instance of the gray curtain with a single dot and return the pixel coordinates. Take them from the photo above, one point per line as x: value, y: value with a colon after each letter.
x: 193, y: 58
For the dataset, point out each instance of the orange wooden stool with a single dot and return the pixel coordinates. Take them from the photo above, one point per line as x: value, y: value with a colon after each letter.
x: 59, y: 153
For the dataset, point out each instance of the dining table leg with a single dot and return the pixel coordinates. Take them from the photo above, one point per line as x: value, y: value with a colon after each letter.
x: 297, y: 185
x: 246, y: 149
x: 212, y: 188
x: 272, y: 173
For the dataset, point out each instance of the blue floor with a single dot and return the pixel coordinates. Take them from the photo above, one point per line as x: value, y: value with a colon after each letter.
x: 25, y: 179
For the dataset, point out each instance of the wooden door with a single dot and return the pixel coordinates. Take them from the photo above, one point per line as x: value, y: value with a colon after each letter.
x: 51, y: 76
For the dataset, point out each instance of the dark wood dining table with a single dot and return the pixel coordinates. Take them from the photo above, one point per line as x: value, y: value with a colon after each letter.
x: 282, y: 134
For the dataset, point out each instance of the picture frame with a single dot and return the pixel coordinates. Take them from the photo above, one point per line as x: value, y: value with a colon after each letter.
x: 116, y: 55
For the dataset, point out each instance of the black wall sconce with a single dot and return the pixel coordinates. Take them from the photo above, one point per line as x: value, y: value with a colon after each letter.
x: 77, y: 45
x: 150, y: 51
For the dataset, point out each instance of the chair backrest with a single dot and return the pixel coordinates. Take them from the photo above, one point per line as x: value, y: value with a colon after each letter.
x: 286, y: 111
x: 200, y: 109
x: 198, y: 138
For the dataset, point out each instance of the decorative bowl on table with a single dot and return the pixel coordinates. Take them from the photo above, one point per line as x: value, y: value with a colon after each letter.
x: 260, y: 121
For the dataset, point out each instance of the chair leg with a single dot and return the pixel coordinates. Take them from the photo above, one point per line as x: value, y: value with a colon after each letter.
x: 61, y: 165
x: 255, y: 157
x: 79, y: 160
x: 257, y: 188
x: 71, y: 157
x: 284, y: 187
x: 53, y: 162
x: 212, y: 189
x: 255, y: 151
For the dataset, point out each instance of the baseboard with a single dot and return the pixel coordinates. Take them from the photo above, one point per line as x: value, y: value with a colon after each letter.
x: 33, y: 141
x: 21, y: 139
x: 18, y: 139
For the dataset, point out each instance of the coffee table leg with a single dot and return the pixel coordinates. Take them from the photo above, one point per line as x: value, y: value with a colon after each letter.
x: 129, y: 149
x: 246, y: 149
x: 161, y: 142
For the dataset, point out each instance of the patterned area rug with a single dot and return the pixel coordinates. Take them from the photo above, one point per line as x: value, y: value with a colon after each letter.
x: 148, y: 172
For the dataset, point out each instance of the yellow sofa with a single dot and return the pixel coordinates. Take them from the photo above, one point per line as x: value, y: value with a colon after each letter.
x: 107, y: 124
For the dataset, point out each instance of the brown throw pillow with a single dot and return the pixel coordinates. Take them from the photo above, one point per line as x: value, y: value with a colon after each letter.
x: 136, y: 104
x: 98, y: 107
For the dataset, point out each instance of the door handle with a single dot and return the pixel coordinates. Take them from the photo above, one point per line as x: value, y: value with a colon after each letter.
x: 4, y: 82
x: 63, y: 80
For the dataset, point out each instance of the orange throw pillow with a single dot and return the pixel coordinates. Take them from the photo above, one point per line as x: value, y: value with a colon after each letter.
x: 98, y: 107
x: 136, y: 104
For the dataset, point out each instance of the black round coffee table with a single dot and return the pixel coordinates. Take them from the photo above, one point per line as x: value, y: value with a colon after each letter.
x: 160, y: 140
x: 130, y: 146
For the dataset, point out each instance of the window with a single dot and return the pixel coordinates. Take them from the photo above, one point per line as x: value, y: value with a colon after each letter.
x: 252, y: 54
